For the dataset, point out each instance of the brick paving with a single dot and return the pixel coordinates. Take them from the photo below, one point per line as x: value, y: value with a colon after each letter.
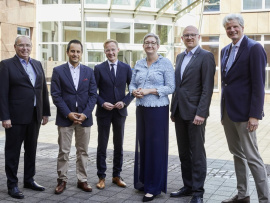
x: 220, y: 182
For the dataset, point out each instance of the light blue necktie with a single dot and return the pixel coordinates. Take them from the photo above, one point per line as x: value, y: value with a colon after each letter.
x: 231, y: 59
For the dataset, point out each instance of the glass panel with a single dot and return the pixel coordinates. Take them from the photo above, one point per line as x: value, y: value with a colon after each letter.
x: 49, y: 31
x: 71, y: 30
x: 50, y: 52
x: 71, y: 1
x: 120, y: 32
x: 147, y: 3
x: 136, y: 56
x: 163, y: 32
x: 96, y: 1
x: 267, y: 50
x: 214, y: 50
x: 161, y: 3
x: 267, y: 80
x: 177, y: 34
x: 121, y: 2
x: 255, y: 37
x: 210, y: 38
x: 177, y: 50
x: 266, y: 37
x: 267, y: 3
x: 64, y: 52
x: 94, y: 56
x: 216, y: 79
x: 211, y: 5
x: 140, y: 30
x: 23, y: 31
x: 252, y: 4
x: 49, y: 1
x: 96, y: 31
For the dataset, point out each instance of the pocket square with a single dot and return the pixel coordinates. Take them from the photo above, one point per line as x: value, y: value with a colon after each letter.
x: 85, y: 79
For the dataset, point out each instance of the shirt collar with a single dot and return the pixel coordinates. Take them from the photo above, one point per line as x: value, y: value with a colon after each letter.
x: 115, y: 63
x: 71, y: 66
x: 238, y: 43
x: 23, y: 60
x: 192, y: 50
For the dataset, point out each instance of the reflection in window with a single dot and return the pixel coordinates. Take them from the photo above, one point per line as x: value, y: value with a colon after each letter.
x: 147, y: 3
x: 95, y: 57
x: 50, y: 53
x: 214, y: 49
x: 96, y: 1
x: 140, y: 30
x: 71, y: 1
x: 121, y: 2
x: 255, y: 37
x: 23, y: 31
x: 120, y: 32
x: 96, y: 31
x: 161, y: 3
x: 211, y: 5
x: 267, y: 3
x: 251, y: 4
x: 163, y: 32
x: 210, y: 38
x: 71, y: 30
x: 49, y: 1
x: 49, y: 31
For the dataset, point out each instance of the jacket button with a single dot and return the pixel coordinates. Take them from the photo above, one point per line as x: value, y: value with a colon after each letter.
x: 225, y: 84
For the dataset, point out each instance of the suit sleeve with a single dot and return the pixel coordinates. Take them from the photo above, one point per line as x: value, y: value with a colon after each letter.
x: 207, y: 77
x: 4, y: 91
x: 128, y: 98
x: 56, y: 93
x: 100, y: 100
x: 92, y: 95
x: 46, y: 102
x: 258, y: 61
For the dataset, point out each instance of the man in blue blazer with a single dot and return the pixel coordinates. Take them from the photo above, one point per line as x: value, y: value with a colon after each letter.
x: 74, y: 93
x: 243, y: 65
x: 24, y: 104
x: 112, y: 77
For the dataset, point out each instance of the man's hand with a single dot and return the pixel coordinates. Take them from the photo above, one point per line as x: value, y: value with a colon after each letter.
x: 6, y: 124
x: 198, y: 120
x: 172, y: 119
x: 253, y: 124
x: 45, y: 120
x: 108, y: 106
x: 119, y: 105
x: 73, y: 116
x: 81, y: 118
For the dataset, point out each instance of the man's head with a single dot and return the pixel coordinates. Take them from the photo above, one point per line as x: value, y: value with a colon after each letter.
x: 74, y: 52
x: 111, y: 50
x: 23, y: 47
x: 191, y: 37
x: 234, y: 26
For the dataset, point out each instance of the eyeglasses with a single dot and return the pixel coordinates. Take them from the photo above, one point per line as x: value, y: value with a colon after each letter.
x: 150, y: 43
x: 192, y: 36
x: 24, y: 45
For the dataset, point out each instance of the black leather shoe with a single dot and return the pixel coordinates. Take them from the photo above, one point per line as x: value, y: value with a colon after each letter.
x: 196, y: 199
x: 148, y: 199
x: 34, y: 186
x: 236, y: 200
x: 15, y: 193
x: 181, y: 192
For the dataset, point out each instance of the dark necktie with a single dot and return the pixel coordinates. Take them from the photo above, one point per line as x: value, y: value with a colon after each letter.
x: 112, y: 71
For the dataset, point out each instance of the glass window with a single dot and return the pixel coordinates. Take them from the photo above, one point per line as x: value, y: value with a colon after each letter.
x: 96, y: 1
x: 23, y: 31
x: 252, y: 4
x: 147, y: 3
x: 214, y: 49
x: 267, y: 37
x: 120, y: 32
x: 50, y: 52
x: 161, y: 3
x: 211, y: 5
x: 49, y: 1
x: 49, y: 31
x: 71, y: 1
x: 267, y: 3
x: 140, y: 30
x: 267, y: 80
x: 64, y: 52
x: 95, y: 57
x: 255, y: 37
x: 163, y: 32
x: 267, y: 50
x: 210, y: 38
x: 121, y: 2
x: 71, y: 30
x: 96, y: 31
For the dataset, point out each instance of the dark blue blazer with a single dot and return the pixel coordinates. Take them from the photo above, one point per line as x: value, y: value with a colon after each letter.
x: 112, y: 90
x: 65, y: 95
x: 243, y: 86
x: 17, y: 92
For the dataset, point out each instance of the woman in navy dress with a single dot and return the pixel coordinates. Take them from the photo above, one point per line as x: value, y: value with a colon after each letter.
x: 152, y: 81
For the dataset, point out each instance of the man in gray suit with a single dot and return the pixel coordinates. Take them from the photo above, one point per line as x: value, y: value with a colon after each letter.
x: 194, y: 76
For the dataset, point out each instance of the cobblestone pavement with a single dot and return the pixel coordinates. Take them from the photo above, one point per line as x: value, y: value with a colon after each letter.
x: 220, y: 182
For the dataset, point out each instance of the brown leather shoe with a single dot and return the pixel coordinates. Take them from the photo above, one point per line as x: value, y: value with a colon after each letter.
x: 236, y: 200
x: 101, y: 183
x: 61, y: 186
x: 119, y: 181
x: 84, y: 186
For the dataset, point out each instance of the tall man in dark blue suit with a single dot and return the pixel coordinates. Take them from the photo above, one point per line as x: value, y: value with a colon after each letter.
x: 243, y: 65
x: 24, y: 104
x: 112, y: 77
x: 74, y: 93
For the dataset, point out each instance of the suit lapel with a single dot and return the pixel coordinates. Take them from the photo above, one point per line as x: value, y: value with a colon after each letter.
x: 82, y: 75
x: 34, y: 65
x: 68, y: 74
x: 21, y: 69
x: 178, y: 69
x: 118, y: 71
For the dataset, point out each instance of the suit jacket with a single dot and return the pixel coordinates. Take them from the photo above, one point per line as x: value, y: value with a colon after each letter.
x: 243, y: 86
x: 194, y: 91
x: 17, y: 92
x: 65, y: 95
x: 112, y: 90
